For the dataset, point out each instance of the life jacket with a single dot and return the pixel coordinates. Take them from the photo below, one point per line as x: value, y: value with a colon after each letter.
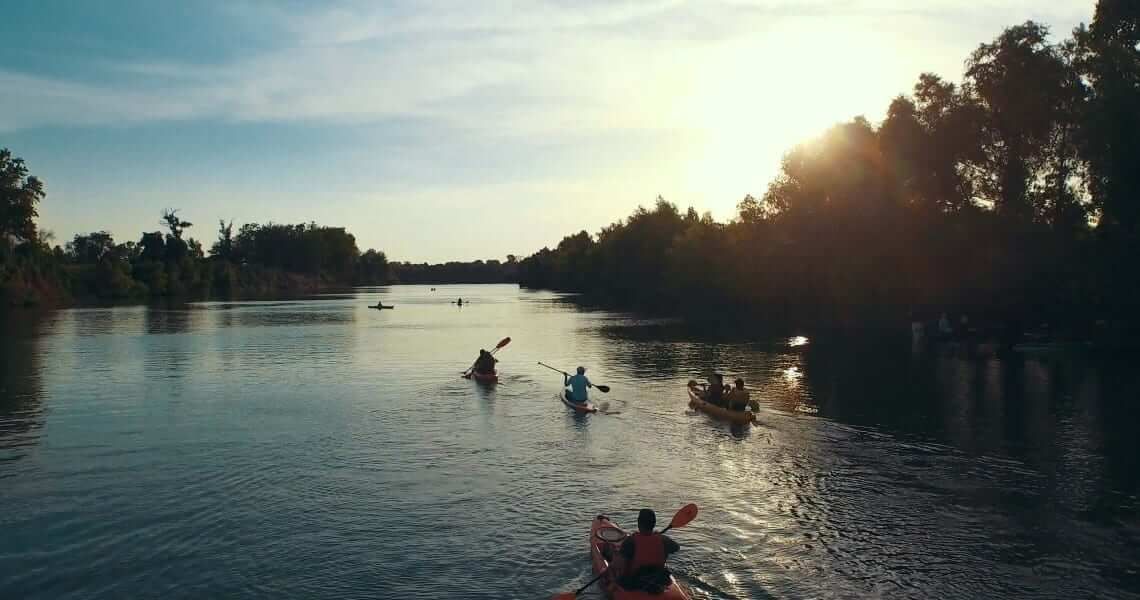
x: 648, y: 551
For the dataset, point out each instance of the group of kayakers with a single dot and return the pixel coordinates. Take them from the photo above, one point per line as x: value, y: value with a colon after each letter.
x: 644, y: 553
x: 725, y: 396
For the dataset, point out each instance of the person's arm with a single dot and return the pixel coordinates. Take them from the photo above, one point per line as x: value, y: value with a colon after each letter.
x: 588, y: 384
x: 670, y: 545
x: 565, y: 380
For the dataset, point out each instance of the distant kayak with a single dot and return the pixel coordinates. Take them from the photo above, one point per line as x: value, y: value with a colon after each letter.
x: 380, y: 306
x: 483, y: 377
x: 606, y: 539
x: 697, y: 402
x: 584, y: 407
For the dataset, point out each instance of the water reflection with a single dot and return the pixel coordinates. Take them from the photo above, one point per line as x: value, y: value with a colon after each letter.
x: 935, y: 474
x: 21, y: 383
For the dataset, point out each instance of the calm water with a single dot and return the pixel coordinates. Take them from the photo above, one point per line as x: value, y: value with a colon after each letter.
x: 318, y: 448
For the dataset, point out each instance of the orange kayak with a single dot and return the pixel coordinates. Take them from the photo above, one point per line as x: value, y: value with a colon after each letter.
x: 483, y: 377
x: 605, y: 540
x: 582, y: 407
x: 738, y: 417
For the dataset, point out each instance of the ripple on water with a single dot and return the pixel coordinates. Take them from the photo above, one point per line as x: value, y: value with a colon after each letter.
x: 318, y: 449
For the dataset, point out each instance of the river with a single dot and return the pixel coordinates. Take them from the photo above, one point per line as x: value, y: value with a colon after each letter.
x: 320, y: 448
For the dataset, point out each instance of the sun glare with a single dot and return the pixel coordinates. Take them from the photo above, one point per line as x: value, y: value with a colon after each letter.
x: 753, y: 101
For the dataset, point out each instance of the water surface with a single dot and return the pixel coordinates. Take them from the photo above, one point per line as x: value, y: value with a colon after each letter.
x: 319, y: 448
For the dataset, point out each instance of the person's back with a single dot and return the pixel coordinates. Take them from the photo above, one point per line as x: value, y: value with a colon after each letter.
x: 739, y: 398
x: 715, y: 393
x: 578, y: 385
x: 485, y: 364
x: 645, y: 553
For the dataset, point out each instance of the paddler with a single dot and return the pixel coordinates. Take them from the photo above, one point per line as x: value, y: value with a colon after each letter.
x: 485, y: 364
x: 578, y: 385
x: 645, y: 553
x: 714, y: 393
x: 738, y: 397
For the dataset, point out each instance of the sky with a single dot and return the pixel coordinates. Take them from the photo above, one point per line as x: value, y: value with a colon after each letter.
x: 450, y: 130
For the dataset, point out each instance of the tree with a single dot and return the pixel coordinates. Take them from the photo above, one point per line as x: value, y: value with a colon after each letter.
x: 91, y: 248
x: 152, y: 247
x: 19, y: 194
x: 224, y: 247
x: 172, y: 221
x: 1025, y: 87
x: 1107, y: 55
x: 372, y: 268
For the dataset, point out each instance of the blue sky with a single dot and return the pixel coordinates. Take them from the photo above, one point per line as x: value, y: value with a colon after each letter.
x: 449, y: 130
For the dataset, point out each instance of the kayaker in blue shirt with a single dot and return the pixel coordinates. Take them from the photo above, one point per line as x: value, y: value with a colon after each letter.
x: 578, y: 385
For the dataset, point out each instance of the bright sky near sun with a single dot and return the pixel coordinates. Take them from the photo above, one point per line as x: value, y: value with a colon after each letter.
x: 450, y: 130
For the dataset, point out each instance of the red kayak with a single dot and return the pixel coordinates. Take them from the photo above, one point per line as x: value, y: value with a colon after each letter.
x: 605, y: 540
x: 483, y: 377
x: 582, y: 407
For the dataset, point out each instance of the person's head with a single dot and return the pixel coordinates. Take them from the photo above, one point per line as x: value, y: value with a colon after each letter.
x: 482, y: 351
x: 739, y: 383
x: 581, y: 370
x: 646, y: 520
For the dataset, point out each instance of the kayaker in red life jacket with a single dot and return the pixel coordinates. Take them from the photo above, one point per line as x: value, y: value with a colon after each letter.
x: 645, y: 552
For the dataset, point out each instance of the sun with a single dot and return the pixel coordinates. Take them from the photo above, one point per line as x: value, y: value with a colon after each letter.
x: 753, y: 100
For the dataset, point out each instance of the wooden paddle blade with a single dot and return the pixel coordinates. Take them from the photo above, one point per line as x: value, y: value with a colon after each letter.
x: 605, y: 389
x: 503, y: 342
x: 684, y: 516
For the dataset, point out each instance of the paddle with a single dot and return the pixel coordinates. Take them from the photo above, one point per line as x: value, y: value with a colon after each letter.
x: 682, y: 518
x: 605, y: 389
x: 503, y: 342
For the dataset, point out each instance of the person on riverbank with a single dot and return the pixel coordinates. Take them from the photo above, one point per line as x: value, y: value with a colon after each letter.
x: 738, y: 397
x: 578, y: 384
x: 485, y: 364
x: 645, y: 553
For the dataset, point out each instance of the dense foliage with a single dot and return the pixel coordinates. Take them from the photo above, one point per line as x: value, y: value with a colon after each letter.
x: 1013, y: 196
x: 258, y: 260
x: 490, y: 271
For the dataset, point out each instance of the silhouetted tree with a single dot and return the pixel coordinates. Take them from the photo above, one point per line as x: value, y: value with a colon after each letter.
x: 91, y: 248
x: 19, y: 194
x: 224, y: 247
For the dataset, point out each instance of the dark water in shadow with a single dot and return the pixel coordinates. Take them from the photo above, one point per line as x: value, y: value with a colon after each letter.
x: 318, y: 448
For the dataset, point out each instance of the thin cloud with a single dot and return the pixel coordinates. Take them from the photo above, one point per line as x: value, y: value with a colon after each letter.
x: 499, y: 68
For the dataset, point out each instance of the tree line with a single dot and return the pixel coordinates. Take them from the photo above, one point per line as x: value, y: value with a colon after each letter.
x: 478, y: 271
x: 1012, y: 196
x: 251, y: 260
x: 257, y: 259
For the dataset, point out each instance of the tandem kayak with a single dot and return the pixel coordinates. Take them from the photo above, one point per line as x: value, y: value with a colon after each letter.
x: 605, y: 540
x: 483, y: 377
x: 583, y: 407
x: 738, y: 417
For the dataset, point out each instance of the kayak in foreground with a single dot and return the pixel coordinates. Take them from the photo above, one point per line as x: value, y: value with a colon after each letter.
x: 584, y: 407
x: 482, y: 377
x: 605, y: 540
x: 738, y: 417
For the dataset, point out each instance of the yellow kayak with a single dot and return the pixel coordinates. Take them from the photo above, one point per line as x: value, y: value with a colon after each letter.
x: 738, y: 417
